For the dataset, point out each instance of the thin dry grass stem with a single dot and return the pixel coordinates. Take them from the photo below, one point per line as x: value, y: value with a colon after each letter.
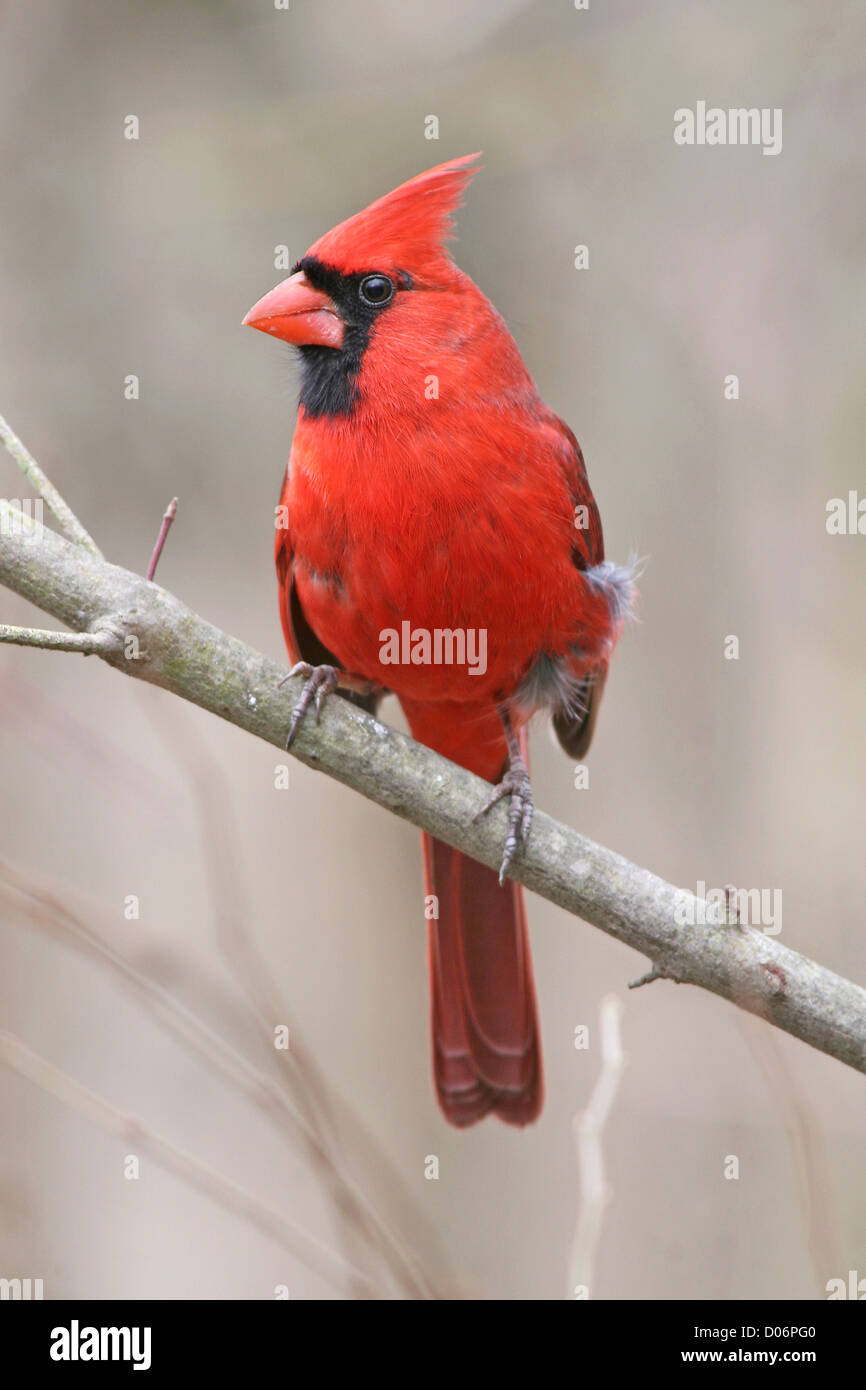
x: 229, y: 896
x: 808, y: 1153
x: 45, y: 908
x: 190, y: 1170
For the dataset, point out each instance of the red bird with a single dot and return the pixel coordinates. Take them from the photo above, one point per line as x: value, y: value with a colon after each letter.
x: 443, y: 544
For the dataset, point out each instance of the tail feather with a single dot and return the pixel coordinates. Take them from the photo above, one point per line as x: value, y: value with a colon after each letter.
x: 486, y: 1049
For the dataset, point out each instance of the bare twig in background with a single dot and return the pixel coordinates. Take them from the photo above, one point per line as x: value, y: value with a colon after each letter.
x: 178, y: 650
x: 325, y: 1262
x: 588, y: 1128
x: 225, y: 879
x: 46, y: 489
x: 808, y: 1154
x: 45, y: 908
x: 804, y: 1131
x: 168, y: 518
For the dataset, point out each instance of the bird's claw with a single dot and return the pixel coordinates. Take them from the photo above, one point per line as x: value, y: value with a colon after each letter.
x: 517, y: 785
x: 319, y: 682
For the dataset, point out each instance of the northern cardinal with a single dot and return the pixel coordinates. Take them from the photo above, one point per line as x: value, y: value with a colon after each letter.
x: 431, y: 491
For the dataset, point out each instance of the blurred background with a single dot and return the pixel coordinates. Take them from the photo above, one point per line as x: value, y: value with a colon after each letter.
x: 261, y: 127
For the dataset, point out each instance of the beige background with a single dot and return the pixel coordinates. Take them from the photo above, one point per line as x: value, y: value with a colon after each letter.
x: 260, y: 127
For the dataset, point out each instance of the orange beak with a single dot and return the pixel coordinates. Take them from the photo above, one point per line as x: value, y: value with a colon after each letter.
x: 299, y: 314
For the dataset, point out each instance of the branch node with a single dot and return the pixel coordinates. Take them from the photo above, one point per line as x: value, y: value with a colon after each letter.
x: 776, y: 981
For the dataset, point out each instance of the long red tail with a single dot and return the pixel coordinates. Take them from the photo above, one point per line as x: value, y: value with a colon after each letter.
x: 486, y: 1048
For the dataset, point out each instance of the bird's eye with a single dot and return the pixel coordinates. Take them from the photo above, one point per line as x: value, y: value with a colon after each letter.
x: 376, y: 290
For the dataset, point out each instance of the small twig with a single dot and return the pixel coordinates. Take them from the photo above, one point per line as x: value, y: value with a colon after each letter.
x: 69, y: 522
x: 647, y: 979
x: 90, y: 643
x: 732, y: 906
x: 326, y: 1262
x: 588, y: 1126
x: 168, y: 518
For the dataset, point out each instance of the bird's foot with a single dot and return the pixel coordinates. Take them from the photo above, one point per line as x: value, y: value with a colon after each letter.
x: 517, y: 785
x: 319, y: 681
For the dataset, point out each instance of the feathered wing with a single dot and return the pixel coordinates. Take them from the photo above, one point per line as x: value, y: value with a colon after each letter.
x: 574, y: 727
x: 302, y: 642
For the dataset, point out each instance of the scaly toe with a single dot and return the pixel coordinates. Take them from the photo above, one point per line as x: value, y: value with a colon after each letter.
x: 320, y: 681
x: 497, y: 794
x: 515, y: 784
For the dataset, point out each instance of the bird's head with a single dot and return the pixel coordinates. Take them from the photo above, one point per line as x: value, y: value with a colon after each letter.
x: 377, y: 293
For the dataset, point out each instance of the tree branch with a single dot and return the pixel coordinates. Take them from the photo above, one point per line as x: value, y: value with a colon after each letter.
x: 167, y: 644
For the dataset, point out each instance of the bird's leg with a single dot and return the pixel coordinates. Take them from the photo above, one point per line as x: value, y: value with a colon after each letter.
x: 515, y: 784
x: 319, y: 681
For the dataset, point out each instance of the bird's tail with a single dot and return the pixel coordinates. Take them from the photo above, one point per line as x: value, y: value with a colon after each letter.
x: 486, y: 1046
